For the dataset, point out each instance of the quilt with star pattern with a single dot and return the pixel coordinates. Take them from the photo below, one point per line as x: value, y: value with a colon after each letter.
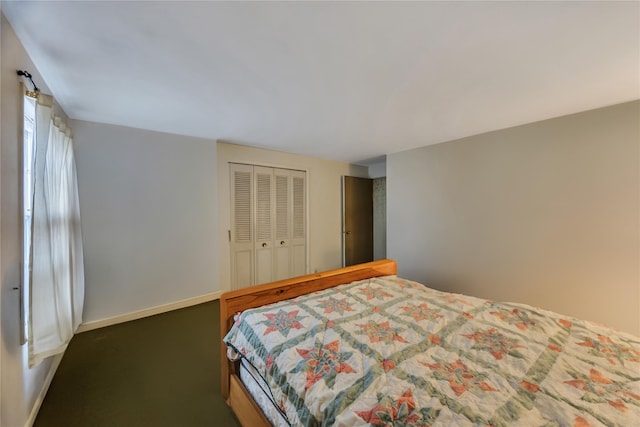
x: 391, y: 352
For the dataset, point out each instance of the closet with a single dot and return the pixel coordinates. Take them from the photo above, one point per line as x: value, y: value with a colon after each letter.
x: 268, y: 224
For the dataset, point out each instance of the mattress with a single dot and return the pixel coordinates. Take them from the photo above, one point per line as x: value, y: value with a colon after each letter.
x: 389, y: 351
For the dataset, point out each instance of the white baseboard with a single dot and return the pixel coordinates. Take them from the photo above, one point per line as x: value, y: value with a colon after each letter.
x: 55, y: 362
x: 148, y: 312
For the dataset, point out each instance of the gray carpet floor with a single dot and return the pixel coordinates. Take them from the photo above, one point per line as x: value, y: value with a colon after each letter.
x: 162, y: 370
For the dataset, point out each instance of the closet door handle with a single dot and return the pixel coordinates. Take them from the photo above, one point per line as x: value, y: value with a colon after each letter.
x: 281, y: 242
x: 264, y: 245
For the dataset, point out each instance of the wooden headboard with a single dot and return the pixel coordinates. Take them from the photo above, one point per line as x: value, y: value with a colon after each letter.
x: 237, y: 301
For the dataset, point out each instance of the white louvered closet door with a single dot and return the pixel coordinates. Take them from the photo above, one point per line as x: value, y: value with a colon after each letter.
x: 282, y: 253
x: 264, y: 223
x: 277, y: 221
x: 242, y: 243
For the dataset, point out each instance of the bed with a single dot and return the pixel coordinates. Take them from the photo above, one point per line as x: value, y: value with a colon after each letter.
x: 360, y: 346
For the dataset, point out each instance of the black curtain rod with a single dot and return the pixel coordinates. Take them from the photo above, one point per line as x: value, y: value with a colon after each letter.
x: 28, y: 75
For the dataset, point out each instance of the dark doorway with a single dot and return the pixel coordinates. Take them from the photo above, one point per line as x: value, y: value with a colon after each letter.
x: 357, y: 220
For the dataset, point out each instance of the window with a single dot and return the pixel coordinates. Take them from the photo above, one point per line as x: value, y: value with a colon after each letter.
x: 28, y: 159
x: 52, y: 288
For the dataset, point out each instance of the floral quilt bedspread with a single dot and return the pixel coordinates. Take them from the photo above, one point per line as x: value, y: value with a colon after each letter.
x: 391, y: 352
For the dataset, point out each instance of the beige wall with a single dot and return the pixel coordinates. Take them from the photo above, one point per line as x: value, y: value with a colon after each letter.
x: 546, y: 214
x: 148, y: 208
x: 324, y: 202
x: 21, y: 387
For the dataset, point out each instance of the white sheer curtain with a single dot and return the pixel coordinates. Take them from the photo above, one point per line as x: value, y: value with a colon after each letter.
x: 57, y: 278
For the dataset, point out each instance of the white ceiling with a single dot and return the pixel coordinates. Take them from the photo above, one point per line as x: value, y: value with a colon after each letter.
x: 339, y: 80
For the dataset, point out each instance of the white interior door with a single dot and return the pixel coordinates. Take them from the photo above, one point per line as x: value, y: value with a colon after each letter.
x: 268, y: 224
x: 241, y: 235
x: 282, y: 243
x: 264, y: 224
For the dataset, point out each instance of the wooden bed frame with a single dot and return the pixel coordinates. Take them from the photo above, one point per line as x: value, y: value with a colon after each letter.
x: 236, y: 395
